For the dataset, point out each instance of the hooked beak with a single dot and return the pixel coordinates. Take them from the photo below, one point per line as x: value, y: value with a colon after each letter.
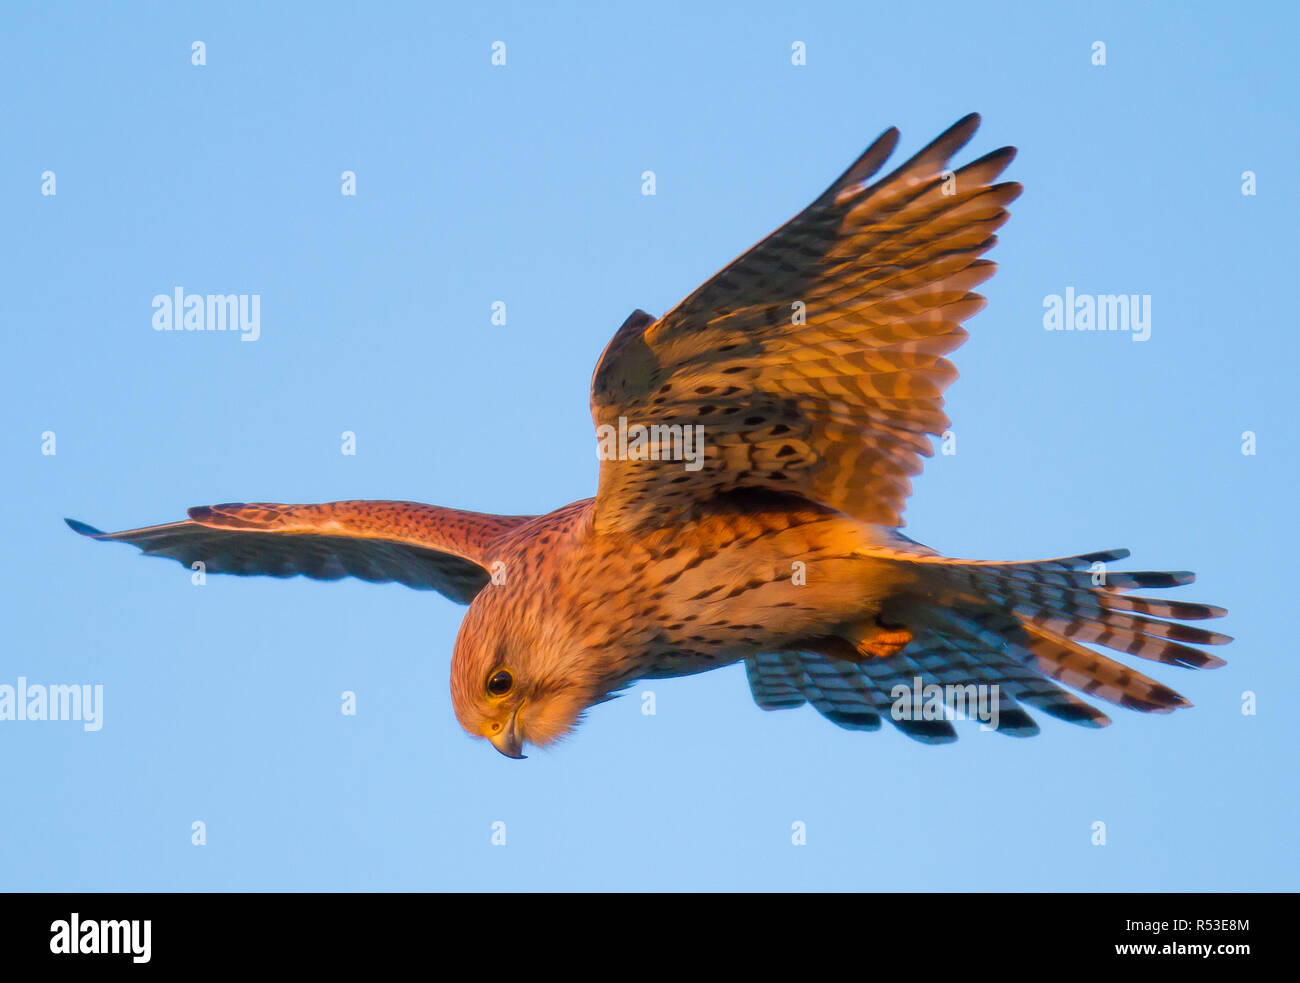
x: 510, y: 741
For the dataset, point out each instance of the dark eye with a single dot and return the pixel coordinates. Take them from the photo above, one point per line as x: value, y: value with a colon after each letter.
x: 500, y: 682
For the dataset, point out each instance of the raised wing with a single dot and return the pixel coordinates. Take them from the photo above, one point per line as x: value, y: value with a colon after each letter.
x: 421, y: 546
x: 813, y: 362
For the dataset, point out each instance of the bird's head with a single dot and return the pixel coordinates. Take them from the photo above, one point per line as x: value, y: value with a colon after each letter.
x: 513, y: 683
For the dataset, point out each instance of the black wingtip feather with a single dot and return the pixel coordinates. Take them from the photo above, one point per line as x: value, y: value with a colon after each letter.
x: 928, y: 731
x: 1014, y: 722
x: 84, y: 528
x: 853, y: 720
x: 867, y: 164
x: 1104, y: 556
x: 1076, y: 713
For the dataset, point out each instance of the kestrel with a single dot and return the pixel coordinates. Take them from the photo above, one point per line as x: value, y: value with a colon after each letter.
x: 757, y: 443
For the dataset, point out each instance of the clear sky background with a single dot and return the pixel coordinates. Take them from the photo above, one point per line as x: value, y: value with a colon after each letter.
x: 523, y: 184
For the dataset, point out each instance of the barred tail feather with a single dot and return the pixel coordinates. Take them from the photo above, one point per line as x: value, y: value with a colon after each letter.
x: 1040, y: 612
x: 1090, y: 672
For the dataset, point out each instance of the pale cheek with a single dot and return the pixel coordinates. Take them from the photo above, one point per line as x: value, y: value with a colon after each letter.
x: 552, y: 721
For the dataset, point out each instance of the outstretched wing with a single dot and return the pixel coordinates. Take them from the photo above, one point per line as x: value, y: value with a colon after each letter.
x: 421, y: 546
x: 814, y: 362
x: 858, y: 695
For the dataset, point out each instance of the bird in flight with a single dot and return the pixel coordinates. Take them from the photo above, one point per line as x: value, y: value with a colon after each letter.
x: 756, y: 445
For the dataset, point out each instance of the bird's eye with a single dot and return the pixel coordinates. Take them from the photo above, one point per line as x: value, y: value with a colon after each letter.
x: 500, y: 682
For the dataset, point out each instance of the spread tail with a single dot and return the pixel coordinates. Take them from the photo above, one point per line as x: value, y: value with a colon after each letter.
x: 1019, y: 626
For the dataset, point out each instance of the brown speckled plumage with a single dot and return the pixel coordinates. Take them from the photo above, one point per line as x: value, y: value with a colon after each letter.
x: 815, y: 365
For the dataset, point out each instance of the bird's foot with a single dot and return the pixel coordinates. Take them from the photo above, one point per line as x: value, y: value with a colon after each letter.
x: 881, y: 641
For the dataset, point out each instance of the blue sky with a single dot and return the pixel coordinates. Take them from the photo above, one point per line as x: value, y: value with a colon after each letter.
x: 522, y: 184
